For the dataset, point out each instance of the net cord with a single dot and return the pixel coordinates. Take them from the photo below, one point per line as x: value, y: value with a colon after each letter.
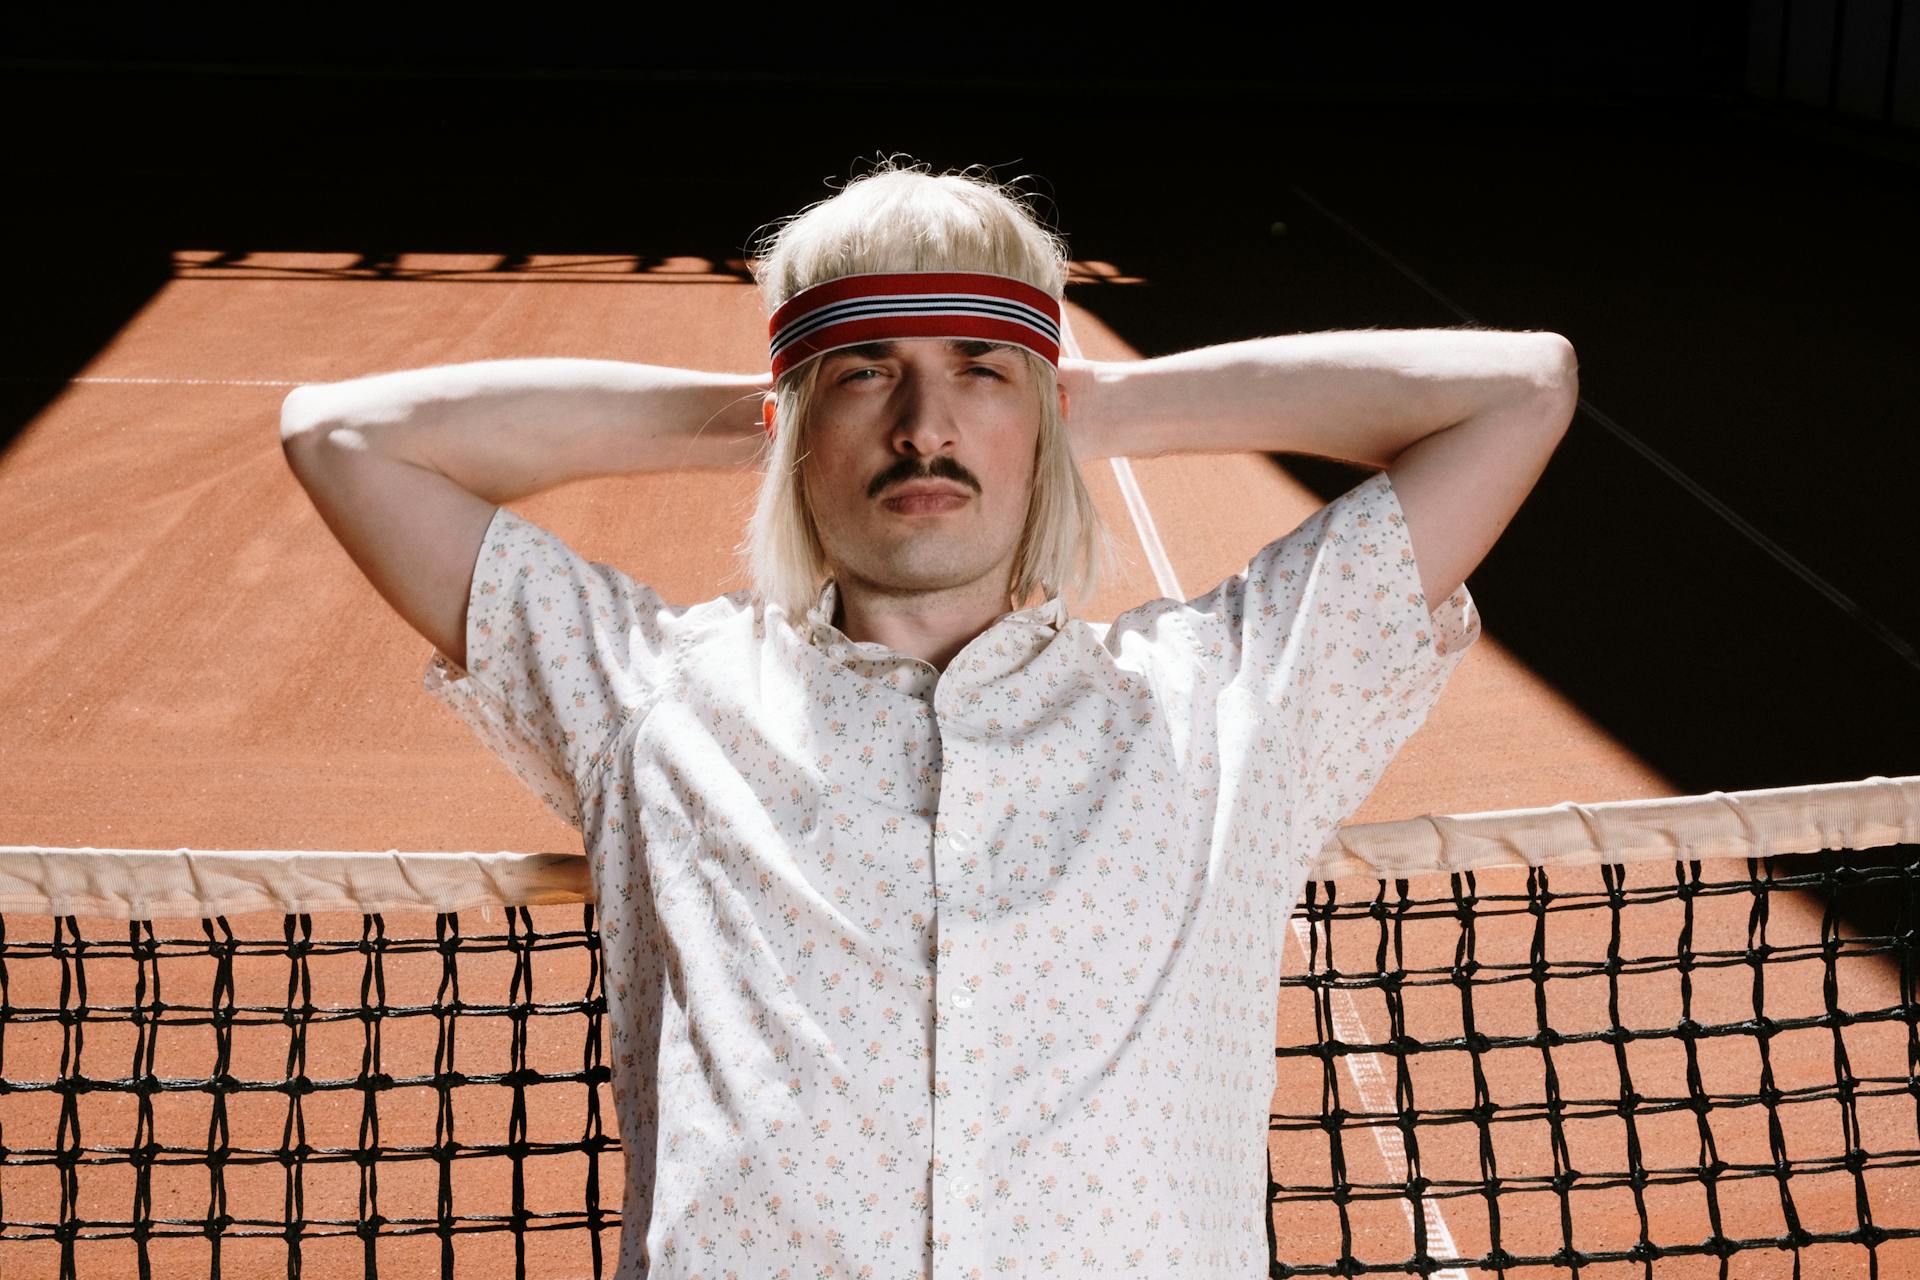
x: 153, y: 884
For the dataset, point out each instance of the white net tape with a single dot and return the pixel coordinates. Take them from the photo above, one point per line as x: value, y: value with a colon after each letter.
x: 148, y: 884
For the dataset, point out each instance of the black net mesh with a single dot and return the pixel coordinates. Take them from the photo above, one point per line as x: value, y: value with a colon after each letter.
x: 443, y: 1098
x: 1658, y: 1069
x: 1537, y: 1072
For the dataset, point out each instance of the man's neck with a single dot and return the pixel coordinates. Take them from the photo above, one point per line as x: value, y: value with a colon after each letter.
x: 933, y: 626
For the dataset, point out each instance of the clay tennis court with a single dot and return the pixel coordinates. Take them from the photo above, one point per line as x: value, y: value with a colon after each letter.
x: 197, y: 664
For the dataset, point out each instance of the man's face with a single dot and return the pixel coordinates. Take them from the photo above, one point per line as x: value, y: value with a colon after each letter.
x: 954, y: 414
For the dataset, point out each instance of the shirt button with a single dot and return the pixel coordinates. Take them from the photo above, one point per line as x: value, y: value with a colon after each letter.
x: 958, y: 841
x: 960, y: 1188
x: 963, y: 1000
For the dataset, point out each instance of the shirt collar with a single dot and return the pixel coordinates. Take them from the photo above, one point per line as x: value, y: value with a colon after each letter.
x: 1050, y: 613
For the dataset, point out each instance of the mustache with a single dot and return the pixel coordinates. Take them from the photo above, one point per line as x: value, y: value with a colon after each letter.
x: 941, y: 468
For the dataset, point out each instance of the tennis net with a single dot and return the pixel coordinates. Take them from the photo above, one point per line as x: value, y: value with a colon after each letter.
x: 1580, y: 1040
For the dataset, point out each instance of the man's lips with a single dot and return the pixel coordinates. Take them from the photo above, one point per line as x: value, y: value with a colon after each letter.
x: 925, y: 499
x: 930, y: 501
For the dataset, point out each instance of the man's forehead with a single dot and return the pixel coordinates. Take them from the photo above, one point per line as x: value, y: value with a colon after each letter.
x: 970, y: 348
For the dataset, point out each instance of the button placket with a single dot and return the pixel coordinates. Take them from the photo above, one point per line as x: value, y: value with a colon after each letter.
x: 962, y: 1064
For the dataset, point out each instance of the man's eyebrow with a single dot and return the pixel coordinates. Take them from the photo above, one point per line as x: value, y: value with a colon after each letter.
x: 968, y: 347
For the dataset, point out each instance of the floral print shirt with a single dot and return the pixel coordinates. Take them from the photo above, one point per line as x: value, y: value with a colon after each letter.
x: 964, y: 974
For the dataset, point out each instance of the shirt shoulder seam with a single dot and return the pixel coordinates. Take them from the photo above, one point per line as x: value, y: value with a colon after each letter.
x: 635, y: 718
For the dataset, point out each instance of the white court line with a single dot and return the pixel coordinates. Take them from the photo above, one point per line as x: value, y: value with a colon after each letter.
x: 1364, y: 1069
x: 1369, y: 1078
x: 159, y: 382
x: 1149, y: 536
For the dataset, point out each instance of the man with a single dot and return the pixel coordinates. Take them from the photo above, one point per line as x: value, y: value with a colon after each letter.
x: 942, y: 932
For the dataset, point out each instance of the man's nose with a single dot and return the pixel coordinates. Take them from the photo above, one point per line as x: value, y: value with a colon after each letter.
x: 924, y: 421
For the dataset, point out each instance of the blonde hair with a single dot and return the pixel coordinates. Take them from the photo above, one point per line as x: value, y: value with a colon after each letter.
x: 904, y: 218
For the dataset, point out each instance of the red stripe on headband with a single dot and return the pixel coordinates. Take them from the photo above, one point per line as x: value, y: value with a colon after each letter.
x: 867, y: 284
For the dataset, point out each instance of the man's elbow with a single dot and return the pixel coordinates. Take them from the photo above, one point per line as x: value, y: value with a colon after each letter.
x: 1553, y: 378
x: 301, y: 412
x: 1560, y: 367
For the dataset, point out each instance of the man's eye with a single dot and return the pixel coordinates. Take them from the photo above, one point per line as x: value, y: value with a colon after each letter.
x: 854, y: 376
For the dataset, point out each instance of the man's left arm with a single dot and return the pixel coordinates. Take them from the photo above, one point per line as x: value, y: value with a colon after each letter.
x: 1463, y: 420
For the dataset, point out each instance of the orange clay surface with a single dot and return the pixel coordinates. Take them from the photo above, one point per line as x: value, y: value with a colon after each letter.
x: 193, y: 661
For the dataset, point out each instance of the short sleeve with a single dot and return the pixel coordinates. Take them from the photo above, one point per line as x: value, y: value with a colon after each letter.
x: 1329, y: 640
x: 561, y: 653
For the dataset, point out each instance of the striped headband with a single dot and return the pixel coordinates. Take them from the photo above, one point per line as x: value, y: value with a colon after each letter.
x: 870, y: 307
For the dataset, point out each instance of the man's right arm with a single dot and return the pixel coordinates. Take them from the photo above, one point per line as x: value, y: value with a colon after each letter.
x: 407, y: 468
